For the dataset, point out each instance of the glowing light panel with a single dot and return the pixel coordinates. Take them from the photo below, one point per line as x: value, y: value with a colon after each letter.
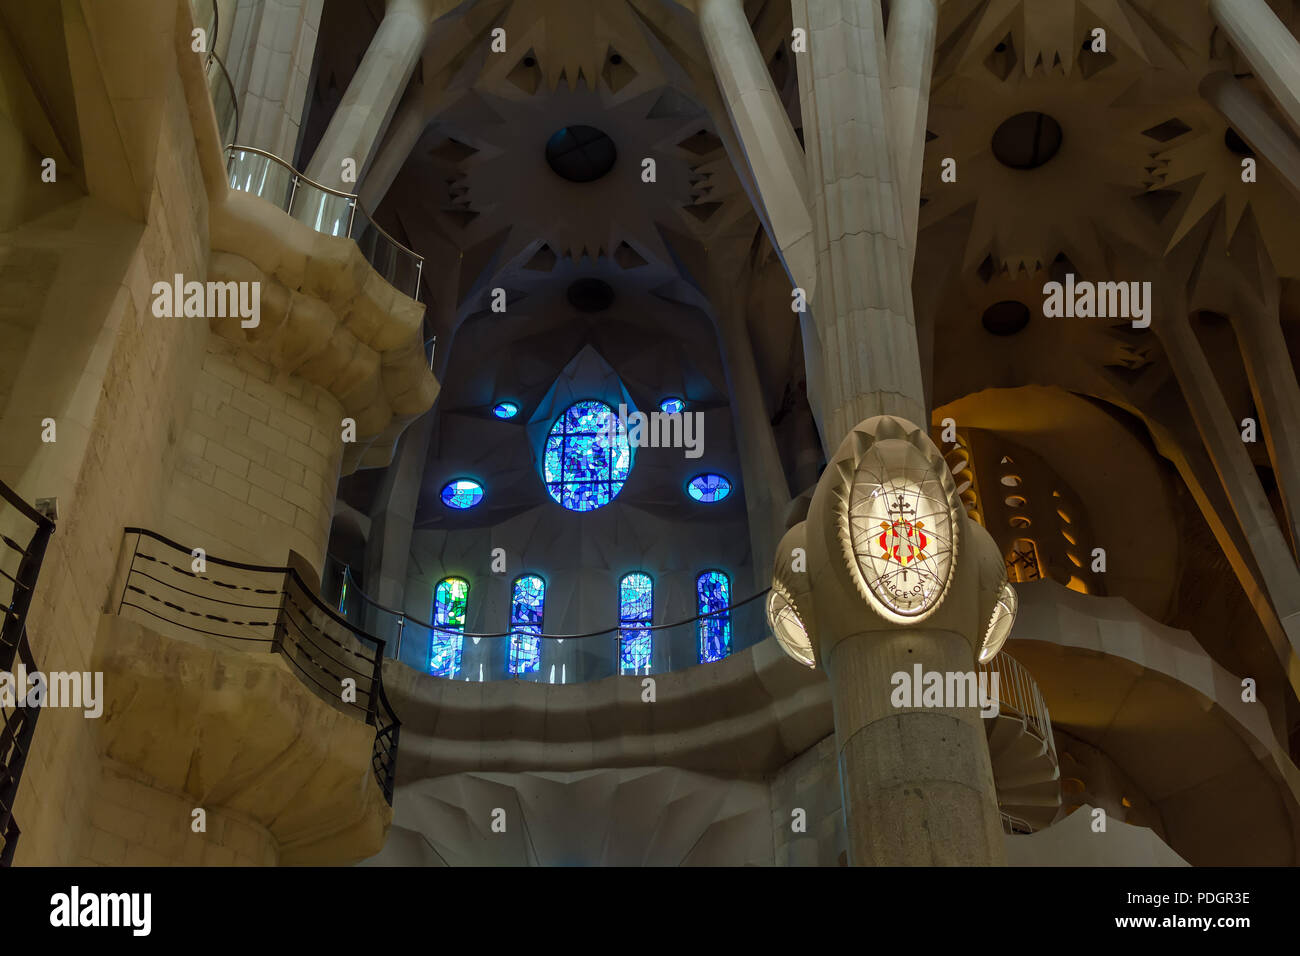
x: 587, y: 457
x: 461, y: 494
x: 709, y: 487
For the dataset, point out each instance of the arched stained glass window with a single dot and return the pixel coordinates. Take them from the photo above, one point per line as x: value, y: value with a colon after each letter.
x: 636, y: 608
x: 526, y: 606
x: 713, y: 589
x: 450, y: 600
x: 587, y: 456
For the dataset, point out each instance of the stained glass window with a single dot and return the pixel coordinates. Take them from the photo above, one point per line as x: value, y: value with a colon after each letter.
x: 709, y: 487
x: 636, y: 606
x: 506, y: 410
x: 672, y: 405
x: 526, y: 607
x: 714, y: 591
x: 587, y: 456
x: 450, y: 599
x: 462, y: 493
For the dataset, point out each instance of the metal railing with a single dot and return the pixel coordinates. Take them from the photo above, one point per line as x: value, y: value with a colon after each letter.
x: 252, y: 604
x: 1013, y: 825
x: 329, y: 211
x: 20, y: 565
x: 1018, y: 692
x: 220, y: 87
x: 561, y: 658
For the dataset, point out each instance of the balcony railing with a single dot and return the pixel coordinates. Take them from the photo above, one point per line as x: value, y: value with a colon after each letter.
x: 224, y: 102
x: 246, y: 605
x: 20, y: 565
x: 559, y: 658
x: 330, y: 211
x: 1018, y: 692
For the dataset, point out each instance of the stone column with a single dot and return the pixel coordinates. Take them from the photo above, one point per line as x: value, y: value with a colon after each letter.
x: 1267, y: 45
x: 372, y: 96
x: 1222, y: 436
x: 767, y: 493
x: 863, y: 305
x: 917, y: 781
x: 1277, y: 397
x: 912, y: 25
x: 1249, y: 118
x: 271, y: 47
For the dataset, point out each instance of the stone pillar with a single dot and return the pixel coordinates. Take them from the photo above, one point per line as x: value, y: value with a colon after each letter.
x: 1277, y: 397
x: 1249, y: 118
x: 767, y: 493
x: 912, y: 25
x: 270, y: 45
x: 1267, y: 45
x: 863, y: 305
x: 371, y: 98
x: 1222, y: 436
x: 917, y: 781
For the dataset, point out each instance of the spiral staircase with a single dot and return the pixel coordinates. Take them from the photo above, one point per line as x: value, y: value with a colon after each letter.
x: 1026, y: 770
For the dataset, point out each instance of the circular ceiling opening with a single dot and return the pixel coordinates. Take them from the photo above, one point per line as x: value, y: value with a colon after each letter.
x: 580, y: 154
x: 1234, y: 142
x: 590, y: 295
x: 1006, y: 317
x: 1027, y: 140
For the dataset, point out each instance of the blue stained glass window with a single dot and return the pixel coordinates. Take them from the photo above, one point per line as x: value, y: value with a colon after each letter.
x: 506, y: 410
x: 636, y: 606
x: 462, y: 493
x: 450, y: 600
x: 672, y: 405
x: 587, y: 456
x: 526, y: 607
x: 714, y: 631
x: 709, y: 487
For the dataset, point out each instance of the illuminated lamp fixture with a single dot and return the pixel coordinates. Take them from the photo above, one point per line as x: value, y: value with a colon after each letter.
x: 999, y: 629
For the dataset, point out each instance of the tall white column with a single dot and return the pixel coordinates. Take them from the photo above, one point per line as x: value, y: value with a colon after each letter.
x: 1267, y: 45
x: 863, y: 305
x: 372, y: 96
x: 912, y: 25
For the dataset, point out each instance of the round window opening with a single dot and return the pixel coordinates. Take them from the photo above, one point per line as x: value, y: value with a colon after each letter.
x: 1027, y: 140
x: 580, y: 154
x: 709, y: 487
x: 1006, y: 318
x: 587, y: 457
x: 461, y: 494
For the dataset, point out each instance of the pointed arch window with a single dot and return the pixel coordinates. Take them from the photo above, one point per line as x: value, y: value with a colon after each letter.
x: 713, y: 629
x: 450, y: 601
x: 636, y: 608
x: 527, y: 605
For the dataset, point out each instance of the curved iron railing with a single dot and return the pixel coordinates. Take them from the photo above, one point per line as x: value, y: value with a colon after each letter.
x: 330, y: 211
x: 564, y: 658
x: 20, y: 565
x: 1018, y: 692
x: 220, y: 87
x: 273, y: 606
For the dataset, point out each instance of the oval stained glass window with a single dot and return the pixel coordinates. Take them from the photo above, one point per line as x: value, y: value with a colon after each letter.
x: 462, y: 493
x: 709, y: 487
x: 587, y: 456
x: 506, y: 410
x: 901, y: 529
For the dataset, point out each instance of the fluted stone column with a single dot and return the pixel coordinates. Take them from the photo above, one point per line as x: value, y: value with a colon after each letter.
x: 917, y: 782
x: 1267, y: 45
x: 863, y: 305
x: 1249, y: 118
x: 372, y: 97
x: 912, y: 26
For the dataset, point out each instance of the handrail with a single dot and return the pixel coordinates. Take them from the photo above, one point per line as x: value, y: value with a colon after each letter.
x: 1018, y: 691
x: 294, y: 634
x: 354, y: 205
x: 550, y: 637
x: 211, y: 57
x: 18, y: 724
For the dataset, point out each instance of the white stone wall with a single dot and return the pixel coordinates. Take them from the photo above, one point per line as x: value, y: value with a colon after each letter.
x: 810, y: 782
